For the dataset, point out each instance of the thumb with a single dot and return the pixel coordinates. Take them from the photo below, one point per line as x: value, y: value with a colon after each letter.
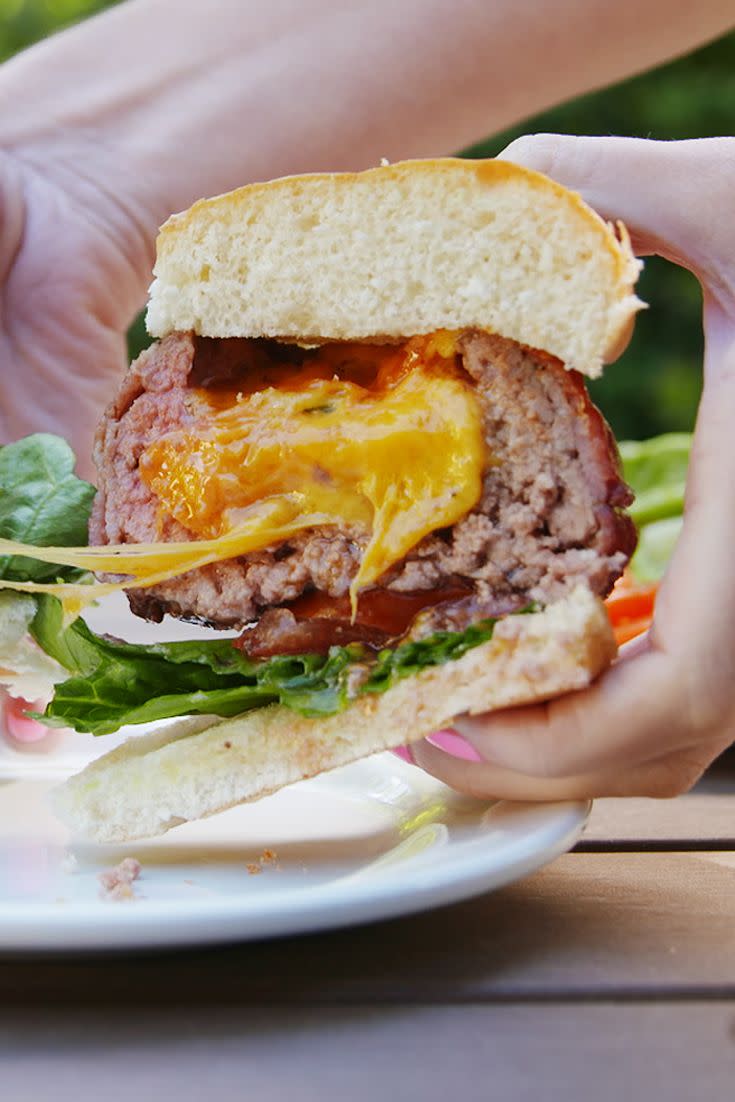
x: 674, y: 197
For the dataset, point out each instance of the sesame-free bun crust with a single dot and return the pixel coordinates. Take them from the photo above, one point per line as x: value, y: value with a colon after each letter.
x: 196, y: 767
x: 397, y: 251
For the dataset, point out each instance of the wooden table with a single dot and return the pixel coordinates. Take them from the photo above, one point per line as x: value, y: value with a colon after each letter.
x: 609, y: 973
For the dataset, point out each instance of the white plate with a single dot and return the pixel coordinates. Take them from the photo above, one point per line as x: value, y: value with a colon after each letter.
x: 376, y: 839
x: 370, y: 841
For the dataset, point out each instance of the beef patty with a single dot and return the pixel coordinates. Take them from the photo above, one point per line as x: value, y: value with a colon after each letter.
x: 550, y: 513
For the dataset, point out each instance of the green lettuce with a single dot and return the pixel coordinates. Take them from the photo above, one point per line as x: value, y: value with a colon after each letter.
x: 656, y: 471
x: 43, y: 503
x: 656, y: 543
x: 114, y: 683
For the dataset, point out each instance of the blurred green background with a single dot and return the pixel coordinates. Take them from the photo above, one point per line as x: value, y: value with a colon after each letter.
x: 655, y: 386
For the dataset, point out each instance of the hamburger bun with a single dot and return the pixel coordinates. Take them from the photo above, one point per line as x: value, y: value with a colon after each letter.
x: 398, y: 251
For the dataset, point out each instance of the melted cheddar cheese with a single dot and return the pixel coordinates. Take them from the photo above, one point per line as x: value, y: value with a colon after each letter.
x: 383, y: 441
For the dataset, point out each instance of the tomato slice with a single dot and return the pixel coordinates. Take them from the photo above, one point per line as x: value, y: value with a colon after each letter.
x: 630, y: 608
x: 631, y: 629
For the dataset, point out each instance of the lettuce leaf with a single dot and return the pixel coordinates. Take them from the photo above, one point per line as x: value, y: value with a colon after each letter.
x: 656, y: 471
x: 114, y: 683
x: 656, y: 543
x: 42, y: 502
x: 410, y: 658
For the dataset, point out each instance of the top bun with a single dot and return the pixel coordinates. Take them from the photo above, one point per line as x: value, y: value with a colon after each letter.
x: 397, y: 251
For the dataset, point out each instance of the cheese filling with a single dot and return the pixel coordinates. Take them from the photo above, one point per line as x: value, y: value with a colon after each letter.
x: 383, y: 441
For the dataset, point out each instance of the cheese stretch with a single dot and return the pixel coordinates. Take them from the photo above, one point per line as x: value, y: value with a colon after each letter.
x: 383, y: 441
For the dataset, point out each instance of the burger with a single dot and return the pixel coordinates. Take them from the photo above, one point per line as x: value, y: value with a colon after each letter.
x: 362, y: 443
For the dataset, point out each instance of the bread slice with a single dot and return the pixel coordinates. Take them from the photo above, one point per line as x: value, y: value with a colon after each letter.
x: 196, y: 767
x: 397, y: 251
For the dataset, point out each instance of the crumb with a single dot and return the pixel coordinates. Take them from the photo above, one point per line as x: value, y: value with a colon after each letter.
x: 268, y: 857
x: 116, y: 885
x: 228, y: 745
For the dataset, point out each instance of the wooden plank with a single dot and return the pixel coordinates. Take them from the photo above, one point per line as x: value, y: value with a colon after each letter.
x: 554, y: 1053
x: 699, y: 820
x: 702, y: 819
x: 595, y: 926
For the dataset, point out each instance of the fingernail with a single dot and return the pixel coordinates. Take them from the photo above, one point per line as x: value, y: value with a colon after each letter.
x: 454, y: 744
x: 405, y: 754
x: 20, y: 726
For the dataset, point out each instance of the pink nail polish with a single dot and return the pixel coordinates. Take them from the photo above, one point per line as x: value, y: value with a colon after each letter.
x: 452, y: 743
x: 18, y: 725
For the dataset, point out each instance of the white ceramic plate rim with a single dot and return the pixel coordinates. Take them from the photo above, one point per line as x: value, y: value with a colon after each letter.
x: 532, y: 836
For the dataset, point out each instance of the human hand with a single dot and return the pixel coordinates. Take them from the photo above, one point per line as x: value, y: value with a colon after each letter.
x: 653, y: 722
x: 75, y: 260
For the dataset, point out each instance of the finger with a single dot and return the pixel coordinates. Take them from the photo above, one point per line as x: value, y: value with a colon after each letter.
x: 638, y: 645
x: 628, y: 715
x: 695, y: 606
x: 641, y: 709
x: 671, y: 195
x: 663, y: 777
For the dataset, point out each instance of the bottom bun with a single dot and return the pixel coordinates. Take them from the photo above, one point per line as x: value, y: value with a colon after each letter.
x: 196, y: 767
